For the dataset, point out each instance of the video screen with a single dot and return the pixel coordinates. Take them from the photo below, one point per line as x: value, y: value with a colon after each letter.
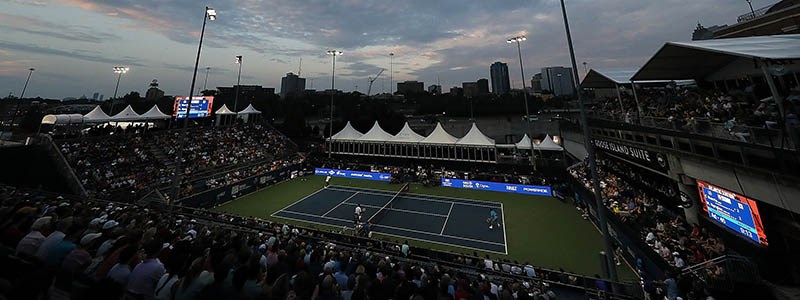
x: 732, y: 210
x: 201, y: 107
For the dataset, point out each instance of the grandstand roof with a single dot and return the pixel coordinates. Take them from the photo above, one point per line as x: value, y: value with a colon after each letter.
x: 126, y: 115
x: 154, y: 114
x: 376, y: 133
x: 439, y: 136
x: 347, y: 133
x: 719, y: 59
x: 475, y: 137
x: 610, y: 78
x: 224, y: 110
x: 249, y: 110
x: 407, y: 135
x: 97, y: 115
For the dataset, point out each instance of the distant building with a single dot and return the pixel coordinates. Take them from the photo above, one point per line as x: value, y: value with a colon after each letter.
x: 410, y: 87
x: 557, y: 80
x: 435, y: 89
x: 483, y: 87
x: 456, y: 91
x: 292, y: 84
x: 95, y: 96
x: 153, y: 93
x: 470, y: 89
x: 536, y: 83
x: 501, y: 84
x: 247, y: 94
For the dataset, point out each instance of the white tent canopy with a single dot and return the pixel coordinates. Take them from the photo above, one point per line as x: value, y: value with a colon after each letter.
x: 548, y: 144
x: 97, y: 115
x: 224, y: 110
x: 475, y: 137
x: 439, y: 136
x: 721, y: 58
x: 126, y: 115
x: 524, y: 143
x: 249, y: 110
x: 406, y: 135
x: 376, y: 134
x: 347, y: 133
x: 154, y: 114
x: 62, y: 119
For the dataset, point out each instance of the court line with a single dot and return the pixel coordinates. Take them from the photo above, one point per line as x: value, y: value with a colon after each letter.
x: 505, y: 236
x: 448, y: 217
x: 394, y: 235
x: 400, y: 210
x: 340, y: 203
x: 298, y: 201
x: 398, y: 228
x: 430, y: 198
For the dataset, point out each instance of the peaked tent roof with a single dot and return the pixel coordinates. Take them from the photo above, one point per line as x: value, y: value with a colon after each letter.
x: 249, y: 110
x: 127, y: 114
x: 154, y: 114
x: 97, y: 115
x: 439, y: 136
x: 224, y: 110
x: 63, y: 119
x: 475, y: 137
x: 407, y: 135
x: 720, y: 58
x: 376, y: 133
x: 524, y: 143
x: 548, y: 144
x: 347, y: 133
x: 611, y: 77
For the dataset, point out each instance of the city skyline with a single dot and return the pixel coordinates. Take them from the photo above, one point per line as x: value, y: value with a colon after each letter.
x: 73, y: 44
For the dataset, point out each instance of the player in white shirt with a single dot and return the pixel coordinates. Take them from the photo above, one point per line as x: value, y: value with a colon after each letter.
x: 327, y: 181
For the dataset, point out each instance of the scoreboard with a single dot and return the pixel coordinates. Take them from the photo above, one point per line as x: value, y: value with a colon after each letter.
x: 734, y: 211
x: 200, y: 107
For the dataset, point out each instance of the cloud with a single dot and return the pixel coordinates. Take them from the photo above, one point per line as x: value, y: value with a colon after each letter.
x: 53, y: 30
x: 86, y: 55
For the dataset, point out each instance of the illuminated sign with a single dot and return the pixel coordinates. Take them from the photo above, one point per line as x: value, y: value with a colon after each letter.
x: 537, y: 190
x: 732, y: 210
x: 353, y: 174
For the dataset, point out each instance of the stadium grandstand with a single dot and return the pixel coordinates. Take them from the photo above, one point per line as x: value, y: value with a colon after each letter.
x: 676, y: 179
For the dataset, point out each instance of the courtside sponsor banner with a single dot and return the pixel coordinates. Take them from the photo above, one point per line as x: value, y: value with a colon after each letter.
x: 538, y: 190
x: 353, y: 174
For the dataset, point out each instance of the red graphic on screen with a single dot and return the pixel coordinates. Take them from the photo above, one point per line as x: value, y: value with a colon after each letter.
x: 759, y: 226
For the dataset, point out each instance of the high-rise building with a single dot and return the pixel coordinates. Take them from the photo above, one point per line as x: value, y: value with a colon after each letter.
x: 292, y: 84
x: 456, y: 91
x: 153, y: 93
x: 410, y: 87
x: 501, y: 84
x: 470, y: 89
x: 558, y: 81
x: 435, y: 89
x: 95, y: 95
x: 483, y: 86
x: 536, y: 83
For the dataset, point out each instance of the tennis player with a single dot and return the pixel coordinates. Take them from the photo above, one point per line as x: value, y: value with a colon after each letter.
x: 327, y: 181
x: 493, y: 219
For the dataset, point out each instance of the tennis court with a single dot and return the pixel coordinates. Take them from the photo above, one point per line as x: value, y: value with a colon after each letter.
x: 437, y: 219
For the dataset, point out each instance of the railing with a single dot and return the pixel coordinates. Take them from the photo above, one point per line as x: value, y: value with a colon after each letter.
x: 61, y: 164
x: 754, y: 14
x: 724, y: 272
x: 773, y: 138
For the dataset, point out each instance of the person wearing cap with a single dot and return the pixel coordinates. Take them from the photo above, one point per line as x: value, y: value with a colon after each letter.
x: 78, y: 259
x: 32, y: 241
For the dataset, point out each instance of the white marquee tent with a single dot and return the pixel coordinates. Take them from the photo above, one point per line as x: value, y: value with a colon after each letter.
x: 127, y: 115
x: 97, y: 115
x: 154, y: 114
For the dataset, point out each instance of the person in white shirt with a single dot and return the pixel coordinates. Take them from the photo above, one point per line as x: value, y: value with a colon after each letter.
x: 327, y: 181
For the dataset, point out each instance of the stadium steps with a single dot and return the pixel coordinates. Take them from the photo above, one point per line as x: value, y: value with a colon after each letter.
x: 161, y: 156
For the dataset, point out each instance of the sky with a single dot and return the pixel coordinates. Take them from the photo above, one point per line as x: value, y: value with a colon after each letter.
x: 74, y: 44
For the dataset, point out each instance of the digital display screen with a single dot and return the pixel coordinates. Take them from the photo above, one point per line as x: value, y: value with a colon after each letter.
x: 353, y: 174
x: 732, y: 210
x: 201, y: 107
x: 537, y: 190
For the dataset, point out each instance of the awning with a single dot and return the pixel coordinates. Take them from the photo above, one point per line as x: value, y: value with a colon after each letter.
x: 347, y: 133
x: 249, y: 110
x: 224, y: 110
x: 611, y: 78
x: 524, y: 143
x: 376, y: 134
x: 721, y: 58
x: 439, y: 136
x: 548, y: 145
x: 63, y: 119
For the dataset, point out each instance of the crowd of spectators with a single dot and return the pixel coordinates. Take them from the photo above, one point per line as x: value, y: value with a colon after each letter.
x: 680, y: 244
x: 90, y: 249
x: 693, y: 109
x: 134, y: 161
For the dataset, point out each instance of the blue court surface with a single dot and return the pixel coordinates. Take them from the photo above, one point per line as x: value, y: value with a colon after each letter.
x: 443, y: 220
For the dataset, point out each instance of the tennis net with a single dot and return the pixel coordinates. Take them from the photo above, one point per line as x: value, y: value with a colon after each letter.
x: 386, y: 208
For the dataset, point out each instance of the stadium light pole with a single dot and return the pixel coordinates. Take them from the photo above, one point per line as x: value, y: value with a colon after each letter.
x: 205, y: 83
x: 391, y: 73
x: 517, y: 40
x: 119, y: 70
x: 19, y: 100
x: 209, y: 14
x: 611, y: 271
x: 752, y: 12
x: 238, y: 80
x: 332, y: 53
